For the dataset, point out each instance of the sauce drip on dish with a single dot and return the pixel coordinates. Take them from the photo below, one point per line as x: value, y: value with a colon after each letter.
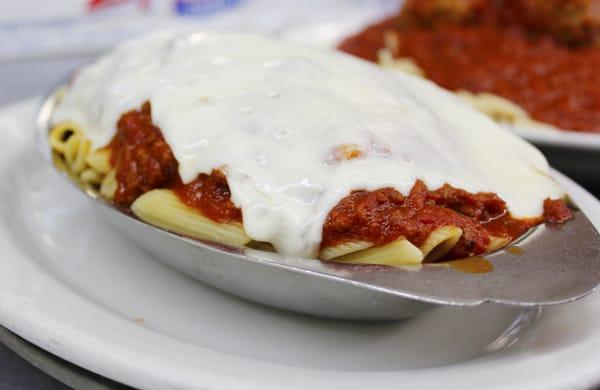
x: 144, y: 161
x: 472, y: 265
x: 546, y: 62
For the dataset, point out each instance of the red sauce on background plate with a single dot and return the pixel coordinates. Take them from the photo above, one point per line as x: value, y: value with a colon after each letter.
x: 505, y: 50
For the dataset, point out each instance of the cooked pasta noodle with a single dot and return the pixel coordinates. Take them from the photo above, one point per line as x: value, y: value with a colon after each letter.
x: 76, y: 150
x: 441, y: 241
x: 72, y: 154
x: 99, y: 161
x: 397, y: 253
x: 163, y: 208
x: 91, y: 176
x: 108, y: 187
x: 60, y: 134
x: 344, y: 249
x: 497, y: 243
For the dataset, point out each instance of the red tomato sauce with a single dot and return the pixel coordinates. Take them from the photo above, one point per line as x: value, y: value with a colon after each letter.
x: 498, y: 52
x: 556, y: 211
x: 144, y: 161
x: 384, y: 215
x: 142, y: 158
x: 210, y: 194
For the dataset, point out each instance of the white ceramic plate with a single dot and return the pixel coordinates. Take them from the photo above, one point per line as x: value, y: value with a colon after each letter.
x: 329, y: 35
x: 71, y: 285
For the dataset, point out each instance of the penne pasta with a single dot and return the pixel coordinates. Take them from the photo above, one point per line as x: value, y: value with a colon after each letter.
x: 397, y: 253
x: 163, y: 208
x: 440, y: 242
x: 497, y: 243
x: 344, y: 249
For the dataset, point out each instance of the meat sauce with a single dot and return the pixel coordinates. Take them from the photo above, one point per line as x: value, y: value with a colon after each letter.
x: 383, y: 215
x: 210, y: 194
x: 143, y: 161
x: 554, y: 82
x: 142, y: 158
x: 556, y: 212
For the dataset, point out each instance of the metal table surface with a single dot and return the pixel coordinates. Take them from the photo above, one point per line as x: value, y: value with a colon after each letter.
x: 23, y: 365
x: 16, y: 373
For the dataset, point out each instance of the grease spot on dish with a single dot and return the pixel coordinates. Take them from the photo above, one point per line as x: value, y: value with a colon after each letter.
x: 515, y: 250
x: 471, y: 265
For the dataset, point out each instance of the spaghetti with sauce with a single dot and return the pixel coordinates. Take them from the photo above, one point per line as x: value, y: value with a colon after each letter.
x: 541, y: 55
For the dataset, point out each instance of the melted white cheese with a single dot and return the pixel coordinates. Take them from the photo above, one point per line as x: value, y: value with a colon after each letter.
x: 271, y: 115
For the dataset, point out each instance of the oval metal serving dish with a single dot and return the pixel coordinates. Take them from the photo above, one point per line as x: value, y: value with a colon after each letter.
x: 547, y: 266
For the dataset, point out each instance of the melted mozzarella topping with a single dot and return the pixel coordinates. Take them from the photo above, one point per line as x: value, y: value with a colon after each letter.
x: 275, y: 116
